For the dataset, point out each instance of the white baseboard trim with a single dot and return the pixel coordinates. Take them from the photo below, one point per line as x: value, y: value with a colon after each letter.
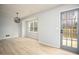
x: 30, y: 37
x: 8, y: 38
x: 47, y: 44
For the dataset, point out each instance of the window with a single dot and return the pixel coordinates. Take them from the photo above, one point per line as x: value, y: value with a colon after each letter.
x: 33, y: 26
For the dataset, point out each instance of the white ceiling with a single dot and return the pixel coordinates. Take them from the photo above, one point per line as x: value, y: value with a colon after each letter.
x: 26, y: 9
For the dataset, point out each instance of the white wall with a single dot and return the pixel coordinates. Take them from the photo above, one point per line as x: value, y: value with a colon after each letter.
x: 49, y: 25
x: 7, y: 24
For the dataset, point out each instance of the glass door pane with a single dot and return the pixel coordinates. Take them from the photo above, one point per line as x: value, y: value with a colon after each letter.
x: 64, y: 42
x: 69, y: 42
x: 74, y: 44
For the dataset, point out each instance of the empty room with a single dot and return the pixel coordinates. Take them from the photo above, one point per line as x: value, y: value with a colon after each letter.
x: 39, y: 29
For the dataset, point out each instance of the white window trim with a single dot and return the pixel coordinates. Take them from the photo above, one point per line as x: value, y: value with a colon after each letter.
x: 32, y: 21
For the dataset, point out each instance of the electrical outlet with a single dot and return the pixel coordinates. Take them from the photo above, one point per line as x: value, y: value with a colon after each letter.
x: 7, y: 35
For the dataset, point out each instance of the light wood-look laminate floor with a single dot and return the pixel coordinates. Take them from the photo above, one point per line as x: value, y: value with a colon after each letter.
x: 28, y: 46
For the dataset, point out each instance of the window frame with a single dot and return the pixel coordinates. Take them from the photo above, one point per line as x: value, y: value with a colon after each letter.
x: 33, y: 25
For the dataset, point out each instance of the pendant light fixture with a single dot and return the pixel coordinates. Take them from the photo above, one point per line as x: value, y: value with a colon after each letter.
x: 17, y: 18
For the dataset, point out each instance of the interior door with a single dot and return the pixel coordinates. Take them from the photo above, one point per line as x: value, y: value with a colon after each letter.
x: 69, y: 30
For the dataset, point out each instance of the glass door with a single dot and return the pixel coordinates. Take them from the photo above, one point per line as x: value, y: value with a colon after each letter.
x: 69, y: 30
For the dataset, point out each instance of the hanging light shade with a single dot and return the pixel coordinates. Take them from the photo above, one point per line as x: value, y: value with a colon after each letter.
x: 17, y: 19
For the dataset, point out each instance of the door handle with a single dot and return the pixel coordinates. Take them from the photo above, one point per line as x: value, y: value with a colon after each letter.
x: 61, y: 31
